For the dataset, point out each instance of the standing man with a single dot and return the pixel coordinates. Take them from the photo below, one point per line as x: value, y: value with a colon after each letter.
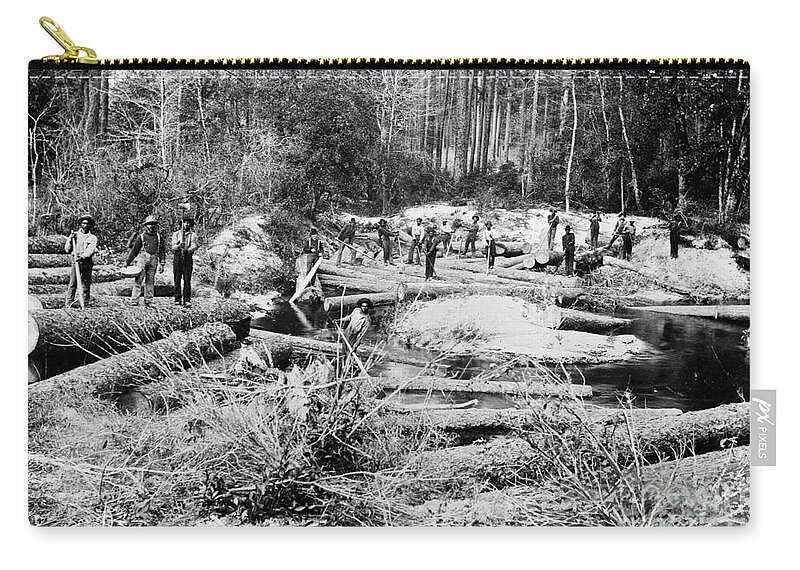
x: 385, y: 236
x: 429, y: 246
x: 357, y: 323
x: 346, y: 236
x: 82, y: 244
x: 628, y: 233
x: 149, y: 251
x: 472, y: 234
x: 184, y: 244
x: 417, y: 235
x: 594, y: 230
x: 489, y: 240
x: 618, y: 227
x: 446, y: 235
x: 674, y: 235
x: 552, y: 224
x: 313, y: 249
x: 568, y: 243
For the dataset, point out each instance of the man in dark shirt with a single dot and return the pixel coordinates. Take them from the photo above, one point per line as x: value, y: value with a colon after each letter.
x: 385, y: 236
x: 674, y: 235
x: 472, y: 235
x: 552, y: 225
x: 594, y: 230
x: 313, y: 249
x: 430, y: 248
x: 618, y: 229
x: 568, y: 243
x: 345, y: 238
x: 149, y: 252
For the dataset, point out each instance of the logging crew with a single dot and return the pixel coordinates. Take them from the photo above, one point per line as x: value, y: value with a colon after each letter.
x: 313, y: 249
x: 82, y: 244
x: 594, y: 230
x: 149, y: 251
x: 618, y: 227
x: 184, y: 244
x: 568, y: 243
x: 674, y: 235
x: 491, y: 248
x: 472, y: 234
x: 385, y: 236
x: 430, y: 247
x: 346, y: 237
x: 552, y: 225
x: 357, y: 323
x: 417, y: 235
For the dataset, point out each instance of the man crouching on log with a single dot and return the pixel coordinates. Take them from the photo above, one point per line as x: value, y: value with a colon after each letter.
x: 82, y: 244
x: 149, y: 252
x: 184, y: 244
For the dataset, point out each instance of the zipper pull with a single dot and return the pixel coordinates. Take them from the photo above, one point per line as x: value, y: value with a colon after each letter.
x: 72, y: 52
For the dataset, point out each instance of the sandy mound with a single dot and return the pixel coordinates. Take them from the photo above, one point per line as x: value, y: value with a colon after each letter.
x: 495, y: 324
x: 243, y: 252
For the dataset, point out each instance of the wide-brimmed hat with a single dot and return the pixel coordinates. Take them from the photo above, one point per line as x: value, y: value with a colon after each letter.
x: 430, y: 229
x: 381, y: 222
x: 568, y: 227
x: 88, y: 218
x: 365, y: 300
x: 150, y: 220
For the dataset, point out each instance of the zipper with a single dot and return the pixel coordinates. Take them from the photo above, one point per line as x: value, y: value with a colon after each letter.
x: 75, y: 54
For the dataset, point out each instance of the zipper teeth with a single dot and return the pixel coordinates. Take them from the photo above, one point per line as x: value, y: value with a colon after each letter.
x: 414, y: 63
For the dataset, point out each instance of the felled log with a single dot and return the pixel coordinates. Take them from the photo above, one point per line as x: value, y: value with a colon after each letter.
x: 545, y: 257
x: 111, y: 329
x: 60, y: 275
x: 33, y: 334
x: 506, y: 461
x: 590, y: 259
x: 454, y: 386
x: 519, y: 275
x: 34, y: 304
x: 345, y: 304
x: 572, y: 320
x: 49, y: 260
x: 365, y: 284
x: 46, y: 244
x: 118, y: 373
x: 514, y: 248
x: 614, y: 262
x: 733, y: 313
x: 122, y: 288
x: 688, y: 489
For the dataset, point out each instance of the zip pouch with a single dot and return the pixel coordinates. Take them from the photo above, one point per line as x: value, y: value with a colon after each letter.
x: 387, y: 292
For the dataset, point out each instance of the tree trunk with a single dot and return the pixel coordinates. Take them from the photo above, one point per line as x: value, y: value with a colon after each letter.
x: 46, y: 244
x: 435, y: 384
x: 572, y: 146
x: 49, y: 260
x: 607, y: 155
x: 519, y: 275
x: 345, y: 304
x: 636, y: 194
x: 544, y: 258
x: 732, y: 313
x: 111, y: 329
x: 613, y: 261
x: 589, y: 260
x: 514, y: 248
x: 572, y: 320
x: 136, y: 367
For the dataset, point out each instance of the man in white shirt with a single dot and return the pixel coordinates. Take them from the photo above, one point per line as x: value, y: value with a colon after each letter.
x: 489, y: 240
x: 81, y: 244
x: 417, y: 234
x: 184, y: 244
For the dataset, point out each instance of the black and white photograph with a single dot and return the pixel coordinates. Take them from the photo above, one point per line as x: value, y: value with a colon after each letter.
x: 363, y: 293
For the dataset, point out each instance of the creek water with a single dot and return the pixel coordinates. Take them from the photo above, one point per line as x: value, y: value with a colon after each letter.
x: 694, y: 363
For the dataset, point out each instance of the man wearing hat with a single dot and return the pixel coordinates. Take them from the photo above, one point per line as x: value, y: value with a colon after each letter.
x: 417, y: 235
x: 346, y: 237
x: 552, y: 225
x: 149, y: 251
x: 430, y: 246
x: 491, y: 247
x: 385, y: 236
x: 472, y: 235
x: 184, y: 244
x: 313, y: 249
x: 568, y: 243
x: 620, y: 225
x: 82, y: 244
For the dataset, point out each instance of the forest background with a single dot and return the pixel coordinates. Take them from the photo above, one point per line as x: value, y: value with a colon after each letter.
x: 125, y: 144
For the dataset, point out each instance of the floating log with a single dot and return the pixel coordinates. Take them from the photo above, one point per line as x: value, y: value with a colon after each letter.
x: 141, y: 365
x: 345, y: 304
x: 452, y: 385
x: 47, y: 260
x: 47, y: 244
x: 539, y: 278
x: 60, y: 275
x: 733, y: 313
x: 513, y: 460
x: 109, y: 330
x: 514, y: 248
x: 572, y: 320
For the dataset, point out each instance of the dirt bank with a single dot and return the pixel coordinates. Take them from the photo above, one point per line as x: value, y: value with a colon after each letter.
x: 491, y: 324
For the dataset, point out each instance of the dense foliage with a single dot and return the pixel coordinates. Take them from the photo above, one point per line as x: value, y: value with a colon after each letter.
x: 124, y: 144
